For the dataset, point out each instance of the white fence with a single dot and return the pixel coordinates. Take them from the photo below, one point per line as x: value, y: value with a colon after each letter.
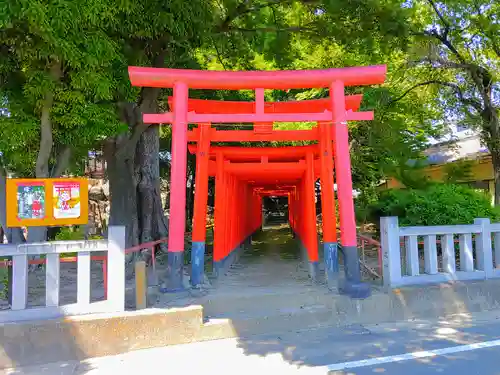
x: 115, y: 302
x: 424, y: 255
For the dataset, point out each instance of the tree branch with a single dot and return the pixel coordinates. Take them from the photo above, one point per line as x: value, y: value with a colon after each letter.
x: 46, y: 139
x: 441, y: 17
x: 456, y: 88
x: 448, y: 64
x: 244, y: 8
x: 494, y: 44
x: 219, y: 57
x: 270, y: 29
x: 62, y: 161
x: 443, y: 37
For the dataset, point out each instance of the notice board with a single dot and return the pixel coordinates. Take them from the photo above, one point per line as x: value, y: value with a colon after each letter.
x: 47, y: 201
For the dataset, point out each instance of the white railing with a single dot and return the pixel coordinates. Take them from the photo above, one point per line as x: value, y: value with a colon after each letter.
x: 411, y: 256
x: 115, y: 302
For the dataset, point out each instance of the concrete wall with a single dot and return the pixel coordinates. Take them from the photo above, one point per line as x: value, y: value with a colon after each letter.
x: 81, y: 337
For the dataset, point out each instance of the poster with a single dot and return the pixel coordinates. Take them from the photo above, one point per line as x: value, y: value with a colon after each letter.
x: 30, y: 200
x: 66, y: 200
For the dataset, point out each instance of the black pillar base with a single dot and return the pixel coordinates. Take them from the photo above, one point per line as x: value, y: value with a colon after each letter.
x: 352, y: 284
x: 175, y: 273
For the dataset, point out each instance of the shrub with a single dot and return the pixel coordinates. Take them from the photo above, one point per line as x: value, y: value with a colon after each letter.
x: 439, y: 204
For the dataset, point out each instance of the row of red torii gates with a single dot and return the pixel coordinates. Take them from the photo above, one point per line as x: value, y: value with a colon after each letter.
x: 243, y: 175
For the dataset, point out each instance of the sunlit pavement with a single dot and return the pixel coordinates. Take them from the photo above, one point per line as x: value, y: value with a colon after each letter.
x: 464, y: 345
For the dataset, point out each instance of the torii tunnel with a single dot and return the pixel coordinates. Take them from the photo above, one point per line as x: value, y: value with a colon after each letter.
x: 244, y: 175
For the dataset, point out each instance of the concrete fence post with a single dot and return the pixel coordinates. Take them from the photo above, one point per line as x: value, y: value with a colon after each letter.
x: 116, y: 267
x: 484, y: 251
x: 19, y: 280
x: 391, y: 250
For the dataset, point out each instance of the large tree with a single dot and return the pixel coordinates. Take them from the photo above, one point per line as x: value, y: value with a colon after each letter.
x: 56, y: 86
x: 456, y: 50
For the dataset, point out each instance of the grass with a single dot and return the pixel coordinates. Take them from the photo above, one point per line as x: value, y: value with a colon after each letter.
x: 3, y: 282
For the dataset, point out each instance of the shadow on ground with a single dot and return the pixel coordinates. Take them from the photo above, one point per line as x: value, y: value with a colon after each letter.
x: 284, y: 323
x: 268, y: 291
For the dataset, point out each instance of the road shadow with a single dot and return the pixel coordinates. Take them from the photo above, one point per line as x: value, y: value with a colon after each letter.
x: 307, y: 337
x: 331, y: 348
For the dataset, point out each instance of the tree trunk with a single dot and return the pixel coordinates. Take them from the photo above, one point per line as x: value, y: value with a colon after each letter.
x: 152, y: 221
x: 13, y: 235
x: 122, y: 190
x: 495, y: 160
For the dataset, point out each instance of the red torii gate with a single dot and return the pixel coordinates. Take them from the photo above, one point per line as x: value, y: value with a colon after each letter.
x: 245, y: 174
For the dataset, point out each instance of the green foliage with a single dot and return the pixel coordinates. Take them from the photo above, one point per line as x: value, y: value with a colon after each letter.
x: 57, y: 62
x: 458, y: 171
x: 70, y: 234
x: 73, y: 233
x: 4, y: 282
x: 412, y: 175
x: 439, y: 204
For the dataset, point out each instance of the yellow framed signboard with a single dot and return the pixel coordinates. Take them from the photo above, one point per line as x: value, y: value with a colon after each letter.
x: 47, y: 201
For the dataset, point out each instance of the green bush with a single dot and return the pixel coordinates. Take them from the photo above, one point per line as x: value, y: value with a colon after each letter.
x: 439, y: 204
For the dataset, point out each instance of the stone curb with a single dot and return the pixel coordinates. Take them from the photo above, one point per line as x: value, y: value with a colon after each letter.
x: 79, y: 338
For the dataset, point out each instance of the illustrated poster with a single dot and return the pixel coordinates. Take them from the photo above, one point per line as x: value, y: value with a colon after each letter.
x: 66, y: 200
x: 30, y: 200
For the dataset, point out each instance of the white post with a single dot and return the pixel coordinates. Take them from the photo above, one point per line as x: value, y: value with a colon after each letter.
x: 391, y: 259
x: 116, y: 268
x: 83, y: 278
x: 484, y: 251
x: 19, y: 281
x: 52, y: 280
x: 430, y: 254
x: 412, y: 261
x: 448, y: 249
x: 497, y: 250
x: 466, y: 257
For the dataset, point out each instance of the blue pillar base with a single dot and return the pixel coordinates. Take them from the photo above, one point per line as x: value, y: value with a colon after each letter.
x: 314, y: 271
x: 175, y: 264
x: 352, y: 285
x: 197, y: 263
x: 220, y: 267
x: 330, y: 254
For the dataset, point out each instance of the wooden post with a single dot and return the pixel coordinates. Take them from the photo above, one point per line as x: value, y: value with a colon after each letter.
x: 141, y: 288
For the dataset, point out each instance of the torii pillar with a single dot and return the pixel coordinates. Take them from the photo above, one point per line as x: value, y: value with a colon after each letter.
x: 200, y: 207
x: 177, y: 219
x: 352, y: 284
x: 330, y: 248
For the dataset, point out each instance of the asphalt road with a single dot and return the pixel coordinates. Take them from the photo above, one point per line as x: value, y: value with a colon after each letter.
x: 466, y: 345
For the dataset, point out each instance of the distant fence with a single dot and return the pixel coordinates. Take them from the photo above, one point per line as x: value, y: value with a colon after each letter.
x: 434, y: 254
x: 365, y: 244
x: 114, y: 278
